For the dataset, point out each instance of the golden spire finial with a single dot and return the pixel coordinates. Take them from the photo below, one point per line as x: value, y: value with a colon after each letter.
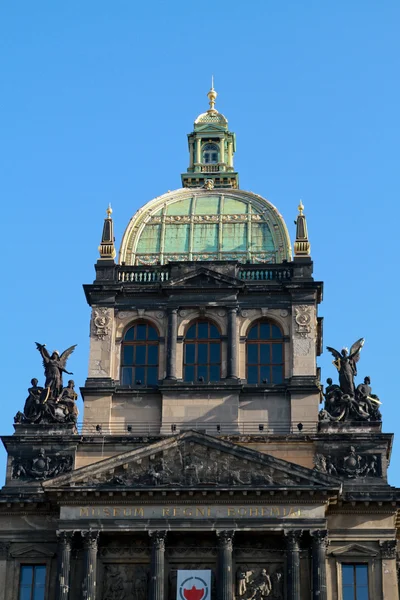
x: 302, y: 246
x: 212, y: 94
x: 107, y: 248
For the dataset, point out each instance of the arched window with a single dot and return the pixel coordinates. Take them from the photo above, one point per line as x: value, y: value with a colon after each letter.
x: 202, y: 353
x: 139, y: 355
x: 265, y: 361
x: 210, y: 154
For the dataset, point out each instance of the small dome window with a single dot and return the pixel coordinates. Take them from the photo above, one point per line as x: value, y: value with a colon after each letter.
x: 210, y: 154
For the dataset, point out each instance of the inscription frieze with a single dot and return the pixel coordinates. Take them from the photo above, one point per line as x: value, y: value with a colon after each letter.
x: 196, y: 512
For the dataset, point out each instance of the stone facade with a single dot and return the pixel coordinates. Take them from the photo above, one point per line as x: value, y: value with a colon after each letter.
x: 231, y: 473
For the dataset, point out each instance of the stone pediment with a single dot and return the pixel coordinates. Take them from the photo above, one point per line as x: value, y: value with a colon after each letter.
x: 354, y: 550
x: 210, y: 128
x: 193, y: 460
x: 204, y: 278
x: 31, y: 551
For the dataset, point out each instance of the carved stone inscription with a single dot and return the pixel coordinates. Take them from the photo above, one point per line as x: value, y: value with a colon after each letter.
x: 125, y: 581
x: 197, y: 512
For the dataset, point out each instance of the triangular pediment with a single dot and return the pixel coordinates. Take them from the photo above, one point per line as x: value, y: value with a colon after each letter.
x: 209, y: 128
x: 354, y: 550
x: 203, y: 277
x: 31, y: 551
x: 194, y: 460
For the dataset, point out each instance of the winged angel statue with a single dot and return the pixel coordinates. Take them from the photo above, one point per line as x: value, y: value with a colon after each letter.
x: 345, y: 401
x: 54, y: 367
x: 54, y: 403
x: 346, y: 364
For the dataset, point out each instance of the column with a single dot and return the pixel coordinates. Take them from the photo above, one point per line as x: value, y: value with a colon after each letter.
x: 293, y: 564
x: 90, y: 540
x: 225, y: 569
x: 232, y: 344
x: 319, y: 543
x: 157, y: 565
x: 171, y: 343
x: 222, y: 150
x: 190, y: 154
x: 63, y: 564
x: 198, y: 150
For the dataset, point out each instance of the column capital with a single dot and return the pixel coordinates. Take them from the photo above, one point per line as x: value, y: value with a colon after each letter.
x: 320, y: 537
x: 158, y: 538
x: 293, y: 538
x: 65, y: 537
x: 225, y: 538
x: 388, y: 548
x: 90, y: 539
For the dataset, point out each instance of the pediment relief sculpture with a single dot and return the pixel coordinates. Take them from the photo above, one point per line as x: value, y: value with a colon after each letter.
x: 192, y: 460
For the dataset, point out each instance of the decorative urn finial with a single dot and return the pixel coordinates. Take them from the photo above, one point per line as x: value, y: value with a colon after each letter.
x: 302, y: 246
x: 107, y: 248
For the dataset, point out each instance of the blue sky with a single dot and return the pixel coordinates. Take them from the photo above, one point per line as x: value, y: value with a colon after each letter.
x: 96, y: 101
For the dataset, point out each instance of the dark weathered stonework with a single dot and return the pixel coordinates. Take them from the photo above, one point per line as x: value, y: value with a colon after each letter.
x: 40, y: 466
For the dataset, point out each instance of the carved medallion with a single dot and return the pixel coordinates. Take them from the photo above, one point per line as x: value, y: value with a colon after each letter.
x: 101, y: 322
x: 303, y: 320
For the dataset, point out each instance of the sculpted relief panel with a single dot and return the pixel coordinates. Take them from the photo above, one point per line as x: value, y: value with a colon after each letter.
x: 259, y: 582
x: 191, y: 465
x: 125, y: 581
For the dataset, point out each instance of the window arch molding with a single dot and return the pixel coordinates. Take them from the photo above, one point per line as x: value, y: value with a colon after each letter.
x: 195, y: 315
x: 140, y: 353
x: 265, y: 352
x: 282, y: 322
x: 202, y: 351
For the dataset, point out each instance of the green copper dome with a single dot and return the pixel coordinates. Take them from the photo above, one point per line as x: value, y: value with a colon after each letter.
x: 200, y: 224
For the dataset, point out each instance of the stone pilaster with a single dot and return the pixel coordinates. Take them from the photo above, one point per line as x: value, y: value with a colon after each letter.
x: 171, y: 343
x: 319, y: 543
x: 157, y: 565
x: 225, y: 567
x: 63, y: 564
x: 4, y: 550
x: 90, y: 542
x: 293, y: 564
x: 389, y: 568
x: 232, y: 370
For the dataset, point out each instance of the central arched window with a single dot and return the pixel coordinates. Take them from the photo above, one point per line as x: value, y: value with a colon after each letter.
x: 265, y: 361
x: 210, y: 154
x: 139, y: 355
x: 202, y: 353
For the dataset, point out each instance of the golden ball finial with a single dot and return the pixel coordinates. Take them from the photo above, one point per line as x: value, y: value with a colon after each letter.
x: 301, y: 207
x: 109, y: 211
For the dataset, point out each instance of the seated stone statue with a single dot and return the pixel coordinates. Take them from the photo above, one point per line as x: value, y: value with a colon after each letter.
x: 32, y: 408
x: 68, y: 399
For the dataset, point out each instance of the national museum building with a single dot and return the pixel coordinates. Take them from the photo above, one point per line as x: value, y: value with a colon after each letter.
x: 203, y: 467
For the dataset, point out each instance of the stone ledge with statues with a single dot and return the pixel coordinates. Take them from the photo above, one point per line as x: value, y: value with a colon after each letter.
x: 345, y: 403
x: 52, y: 403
